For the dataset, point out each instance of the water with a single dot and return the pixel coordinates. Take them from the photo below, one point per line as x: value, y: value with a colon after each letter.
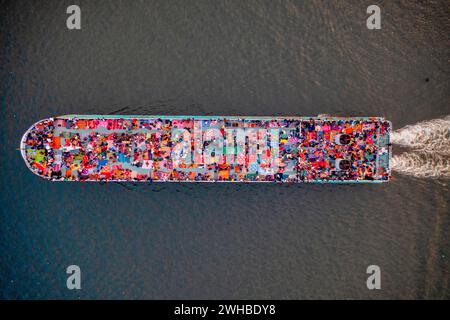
x: 215, y: 240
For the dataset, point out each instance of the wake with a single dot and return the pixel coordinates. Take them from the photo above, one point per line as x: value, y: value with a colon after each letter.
x: 422, y: 164
x: 429, y: 144
x: 431, y: 135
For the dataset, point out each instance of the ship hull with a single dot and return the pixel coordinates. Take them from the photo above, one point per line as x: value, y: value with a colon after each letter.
x: 209, y: 149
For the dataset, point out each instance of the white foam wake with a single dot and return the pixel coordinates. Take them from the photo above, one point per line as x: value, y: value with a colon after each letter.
x: 422, y: 164
x: 429, y: 142
x: 432, y: 135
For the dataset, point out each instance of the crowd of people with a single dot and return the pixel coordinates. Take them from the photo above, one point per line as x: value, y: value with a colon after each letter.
x: 288, y: 150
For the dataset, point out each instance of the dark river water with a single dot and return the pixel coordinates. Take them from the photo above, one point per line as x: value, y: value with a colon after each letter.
x: 222, y: 241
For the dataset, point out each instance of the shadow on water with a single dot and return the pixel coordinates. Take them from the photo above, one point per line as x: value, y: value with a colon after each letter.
x: 172, y: 107
x: 167, y: 107
x: 230, y: 188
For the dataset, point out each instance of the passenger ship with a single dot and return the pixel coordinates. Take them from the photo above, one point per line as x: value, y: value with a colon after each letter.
x: 156, y: 148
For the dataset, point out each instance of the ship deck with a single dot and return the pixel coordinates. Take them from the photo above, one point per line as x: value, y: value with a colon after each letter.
x: 208, y: 149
